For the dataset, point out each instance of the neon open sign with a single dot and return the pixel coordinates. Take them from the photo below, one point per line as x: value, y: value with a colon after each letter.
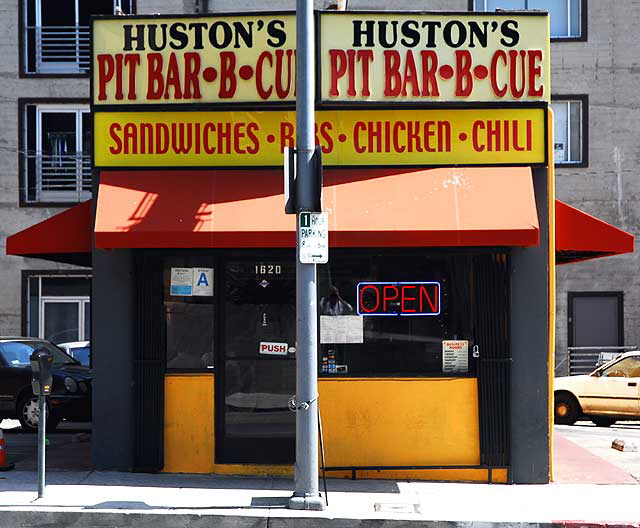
x: 398, y: 298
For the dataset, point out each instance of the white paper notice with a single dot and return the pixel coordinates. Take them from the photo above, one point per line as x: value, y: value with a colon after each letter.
x: 203, y: 281
x: 455, y: 356
x: 181, y: 281
x: 558, y: 153
x: 341, y: 329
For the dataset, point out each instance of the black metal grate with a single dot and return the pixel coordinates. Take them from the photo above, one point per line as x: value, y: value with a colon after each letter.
x: 148, y: 368
x: 494, y: 364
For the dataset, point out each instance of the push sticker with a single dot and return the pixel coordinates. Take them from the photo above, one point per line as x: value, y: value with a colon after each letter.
x: 274, y: 349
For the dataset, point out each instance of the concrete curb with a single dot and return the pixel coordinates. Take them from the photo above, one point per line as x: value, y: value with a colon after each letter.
x: 101, y: 519
x: 38, y: 519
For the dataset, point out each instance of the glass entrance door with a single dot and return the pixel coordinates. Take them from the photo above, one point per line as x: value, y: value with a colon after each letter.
x: 257, y: 374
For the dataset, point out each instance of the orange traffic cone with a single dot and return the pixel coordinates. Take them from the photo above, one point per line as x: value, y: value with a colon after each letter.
x: 3, y: 455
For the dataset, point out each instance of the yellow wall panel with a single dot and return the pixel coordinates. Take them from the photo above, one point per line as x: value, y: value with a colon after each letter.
x: 381, y: 421
x: 188, y: 423
x: 393, y: 422
x: 499, y: 476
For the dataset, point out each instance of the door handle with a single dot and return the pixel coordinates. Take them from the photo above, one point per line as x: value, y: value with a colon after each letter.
x: 632, y: 384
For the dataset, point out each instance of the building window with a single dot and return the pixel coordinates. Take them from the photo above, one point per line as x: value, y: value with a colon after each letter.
x: 565, y: 15
x: 189, y: 313
x: 56, y: 34
x: 57, y: 159
x: 383, y: 314
x: 58, y: 306
x: 569, y: 126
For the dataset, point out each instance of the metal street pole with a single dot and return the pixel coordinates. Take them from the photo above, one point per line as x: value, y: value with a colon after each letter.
x: 42, y: 425
x: 306, y: 495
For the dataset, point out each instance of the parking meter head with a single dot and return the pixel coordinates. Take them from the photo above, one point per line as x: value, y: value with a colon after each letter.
x: 41, y: 380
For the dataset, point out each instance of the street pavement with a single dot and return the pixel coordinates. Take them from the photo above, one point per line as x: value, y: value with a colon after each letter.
x: 69, y: 448
x: 87, y: 498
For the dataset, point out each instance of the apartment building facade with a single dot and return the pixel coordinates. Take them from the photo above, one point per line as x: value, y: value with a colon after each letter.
x: 45, y: 157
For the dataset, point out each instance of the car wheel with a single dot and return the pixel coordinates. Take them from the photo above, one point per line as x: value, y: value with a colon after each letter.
x: 29, y: 415
x: 603, y: 421
x: 566, y: 409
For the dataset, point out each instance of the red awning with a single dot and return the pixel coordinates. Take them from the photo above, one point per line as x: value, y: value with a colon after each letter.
x: 580, y: 236
x: 375, y: 208
x: 440, y: 207
x: 65, y: 237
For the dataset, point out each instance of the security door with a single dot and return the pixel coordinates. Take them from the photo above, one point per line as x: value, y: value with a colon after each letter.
x: 257, y: 378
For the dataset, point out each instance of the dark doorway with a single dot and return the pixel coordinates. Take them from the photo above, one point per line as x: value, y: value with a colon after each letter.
x: 595, y: 320
x: 256, y: 376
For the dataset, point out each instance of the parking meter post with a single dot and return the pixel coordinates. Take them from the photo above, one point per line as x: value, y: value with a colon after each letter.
x: 41, y: 360
x: 42, y: 426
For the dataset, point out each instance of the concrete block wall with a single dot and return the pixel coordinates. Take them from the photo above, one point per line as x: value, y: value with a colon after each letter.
x: 219, y: 6
x: 607, y: 68
x: 12, y: 217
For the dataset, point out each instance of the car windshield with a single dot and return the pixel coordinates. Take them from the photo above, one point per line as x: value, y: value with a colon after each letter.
x: 16, y: 353
x: 628, y: 367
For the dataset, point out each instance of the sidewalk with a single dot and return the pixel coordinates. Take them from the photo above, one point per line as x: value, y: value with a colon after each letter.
x: 90, y: 499
x: 94, y: 498
x: 574, y: 464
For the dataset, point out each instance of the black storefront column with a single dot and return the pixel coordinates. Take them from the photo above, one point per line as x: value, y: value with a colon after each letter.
x: 112, y: 342
x: 148, y: 366
x: 128, y: 387
x: 530, y: 351
x: 494, y: 363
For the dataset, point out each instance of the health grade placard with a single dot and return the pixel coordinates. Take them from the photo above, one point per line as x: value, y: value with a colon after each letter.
x: 413, y: 137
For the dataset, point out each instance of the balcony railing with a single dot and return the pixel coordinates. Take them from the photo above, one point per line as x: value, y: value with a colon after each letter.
x: 59, y: 178
x: 59, y: 49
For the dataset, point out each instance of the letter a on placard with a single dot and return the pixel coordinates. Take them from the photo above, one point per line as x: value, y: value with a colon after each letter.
x: 203, y: 281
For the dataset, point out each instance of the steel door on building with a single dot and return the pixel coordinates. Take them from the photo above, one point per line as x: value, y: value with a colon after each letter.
x: 595, y: 320
x: 256, y: 363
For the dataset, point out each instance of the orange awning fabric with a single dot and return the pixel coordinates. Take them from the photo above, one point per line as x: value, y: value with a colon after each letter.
x: 580, y: 236
x: 438, y: 207
x: 367, y: 208
x: 65, y: 237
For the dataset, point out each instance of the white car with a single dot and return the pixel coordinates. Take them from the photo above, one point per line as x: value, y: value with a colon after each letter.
x: 78, y: 350
x: 609, y: 393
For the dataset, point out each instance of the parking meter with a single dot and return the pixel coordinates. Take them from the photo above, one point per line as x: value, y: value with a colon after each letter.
x: 41, y: 360
x: 41, y: 380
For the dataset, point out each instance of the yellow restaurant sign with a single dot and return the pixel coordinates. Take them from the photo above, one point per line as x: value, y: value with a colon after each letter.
x: 362, y: 57
x: 348, y: 137
x: 213, y: 59
x: 431, y: 57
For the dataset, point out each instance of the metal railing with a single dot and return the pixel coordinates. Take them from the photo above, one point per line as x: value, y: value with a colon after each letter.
x: 583, y: 360
x: 60, y: 178
x: 60, y: 49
